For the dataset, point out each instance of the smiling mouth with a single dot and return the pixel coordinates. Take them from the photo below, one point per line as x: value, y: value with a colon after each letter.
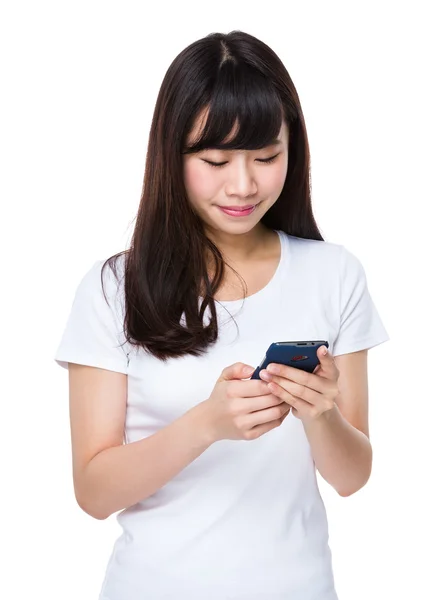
x: 238, y: 212
x: 239, y: 208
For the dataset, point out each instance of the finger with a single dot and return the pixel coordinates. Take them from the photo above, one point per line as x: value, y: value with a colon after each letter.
x: 248, y: 389
x: 297, y: 376
x: 256, y: 403
x: 290, y: 391
x: 258, y: 430
x: 327, y: 362
x: 238, y: 370
x: 311, y: 380
x: 266, y: 415
x: 297, y: 405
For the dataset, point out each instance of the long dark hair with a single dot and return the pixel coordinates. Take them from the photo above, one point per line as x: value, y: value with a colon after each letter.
x: 240, y: 79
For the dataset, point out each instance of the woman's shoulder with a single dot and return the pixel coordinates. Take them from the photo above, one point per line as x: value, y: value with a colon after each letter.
x: 328, y: 258
x: 319, y: 250
x: 104, y: 281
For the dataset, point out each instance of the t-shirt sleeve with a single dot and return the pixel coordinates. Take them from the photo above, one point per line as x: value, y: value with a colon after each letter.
x: 93, y: 334
x: 360, y: 325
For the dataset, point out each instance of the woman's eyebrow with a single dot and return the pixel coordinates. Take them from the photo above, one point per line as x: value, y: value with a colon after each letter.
x: 274, y: 142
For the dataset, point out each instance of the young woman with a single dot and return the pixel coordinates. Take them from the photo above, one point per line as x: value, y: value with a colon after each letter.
x: 214, y: 473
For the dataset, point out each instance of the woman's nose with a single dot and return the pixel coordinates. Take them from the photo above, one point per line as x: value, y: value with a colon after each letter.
x: 241, y: 182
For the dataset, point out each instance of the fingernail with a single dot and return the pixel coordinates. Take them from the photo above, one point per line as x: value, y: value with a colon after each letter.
x: 248, y: 370
x: 324, y: 350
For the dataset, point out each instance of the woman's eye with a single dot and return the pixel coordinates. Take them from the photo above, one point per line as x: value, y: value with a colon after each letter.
x: 268, y: 160
x: 214, y: 164
x: 261, y: 160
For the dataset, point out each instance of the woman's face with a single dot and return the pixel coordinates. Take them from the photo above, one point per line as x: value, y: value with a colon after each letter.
x: 243, y: 179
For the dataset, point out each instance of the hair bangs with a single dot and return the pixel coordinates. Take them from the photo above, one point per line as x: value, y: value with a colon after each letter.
x: 241, y: 97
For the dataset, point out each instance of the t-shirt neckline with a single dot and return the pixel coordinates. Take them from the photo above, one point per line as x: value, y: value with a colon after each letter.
x: 269, y: 285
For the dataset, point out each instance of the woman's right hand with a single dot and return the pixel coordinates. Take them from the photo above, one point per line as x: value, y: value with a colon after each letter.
x: 241, y: 410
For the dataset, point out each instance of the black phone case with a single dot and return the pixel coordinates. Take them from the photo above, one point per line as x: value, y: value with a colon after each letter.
x: 298, y: 354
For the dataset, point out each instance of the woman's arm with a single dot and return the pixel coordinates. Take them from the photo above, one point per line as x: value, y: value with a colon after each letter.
x: 332, y: 403
x: 339, y: 438
x: 342, y: 453
x: 121, y: 476
x: 108, y: 475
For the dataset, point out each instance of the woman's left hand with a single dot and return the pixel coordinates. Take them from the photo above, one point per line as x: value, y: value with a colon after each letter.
x: 310, y: 394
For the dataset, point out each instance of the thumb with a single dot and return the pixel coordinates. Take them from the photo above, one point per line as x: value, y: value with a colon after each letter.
x: 238, y: 370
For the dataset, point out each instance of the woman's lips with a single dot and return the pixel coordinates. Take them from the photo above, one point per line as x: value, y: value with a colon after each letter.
x: 237, y: 213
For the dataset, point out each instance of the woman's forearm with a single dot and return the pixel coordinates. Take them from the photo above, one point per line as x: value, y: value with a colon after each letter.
x: 121, y: 476
x: 342, y: 453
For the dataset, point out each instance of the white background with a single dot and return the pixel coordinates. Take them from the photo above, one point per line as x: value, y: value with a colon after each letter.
x: 79, y: 82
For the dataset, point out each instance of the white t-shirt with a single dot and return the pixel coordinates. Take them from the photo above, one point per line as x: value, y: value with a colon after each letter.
x: 245, y: 520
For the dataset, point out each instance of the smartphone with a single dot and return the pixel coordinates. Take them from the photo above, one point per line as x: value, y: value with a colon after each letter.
x: 298, y: 354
